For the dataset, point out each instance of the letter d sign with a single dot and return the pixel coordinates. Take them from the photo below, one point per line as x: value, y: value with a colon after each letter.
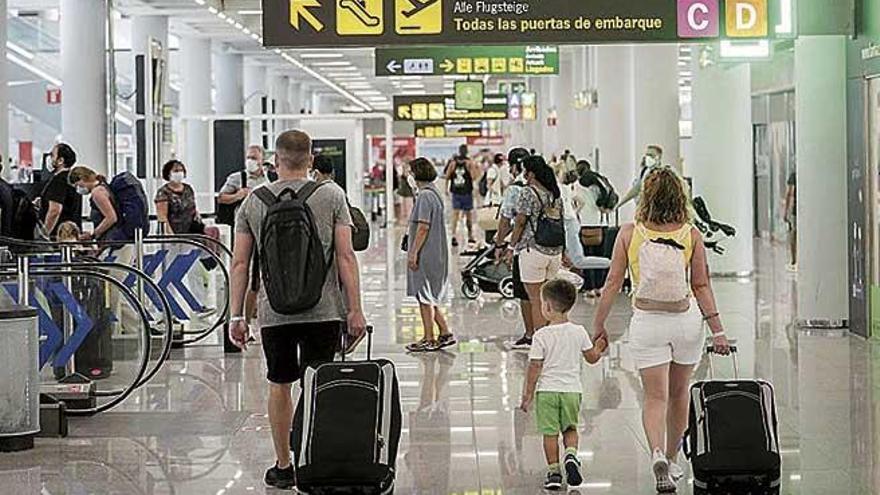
x: 746, y: 18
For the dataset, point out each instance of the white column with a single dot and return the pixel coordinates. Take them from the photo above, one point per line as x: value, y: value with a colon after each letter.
x: 278, y: 92
x: 582, y: 128
x: 294, y: 96
x: 195, y: 99
x: 306, y: 94
x: 4, y: 92
x: 655, y: 99
x: 316, y: 103
x: 228, y: 75
x: 617, y: 148
x: 144, y: 27
x: 722, y: 158
x: 83, y: 71
x: 820, y: 99
x: 254, y: 91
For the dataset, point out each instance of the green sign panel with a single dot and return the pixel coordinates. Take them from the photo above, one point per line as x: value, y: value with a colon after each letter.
x: 441, y: 108
x: 336, y: 23
x: 542, y: 60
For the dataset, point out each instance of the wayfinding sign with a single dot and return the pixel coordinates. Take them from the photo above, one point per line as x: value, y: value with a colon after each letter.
x: 335, y: 23
x: 539, y: 60
x: 441, y: 108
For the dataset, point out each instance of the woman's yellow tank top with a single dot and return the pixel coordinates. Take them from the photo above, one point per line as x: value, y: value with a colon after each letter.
x: 642, y: 234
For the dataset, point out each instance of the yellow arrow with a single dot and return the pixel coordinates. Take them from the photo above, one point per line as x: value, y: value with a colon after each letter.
x: 447, y: 65
x: 300, y: 8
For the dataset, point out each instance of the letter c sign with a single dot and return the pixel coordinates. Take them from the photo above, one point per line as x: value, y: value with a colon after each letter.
x: 698, y: 18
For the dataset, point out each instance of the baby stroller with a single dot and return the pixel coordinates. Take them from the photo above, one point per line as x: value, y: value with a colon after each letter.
x: 484, y: 274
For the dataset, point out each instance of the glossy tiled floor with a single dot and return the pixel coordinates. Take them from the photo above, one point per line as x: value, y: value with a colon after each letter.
x: 200, y: 426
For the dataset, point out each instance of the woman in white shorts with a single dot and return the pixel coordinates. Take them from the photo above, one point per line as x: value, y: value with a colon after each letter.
x: 666, y: 337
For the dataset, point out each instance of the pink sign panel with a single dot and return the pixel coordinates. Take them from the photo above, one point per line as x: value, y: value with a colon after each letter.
x: 698, y: 18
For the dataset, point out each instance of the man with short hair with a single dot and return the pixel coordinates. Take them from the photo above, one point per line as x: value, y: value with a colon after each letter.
x: 234, y: 191
x: 59, y: 201
x: 653, y: 158
x: 308, y: 338
x: 462, y: 173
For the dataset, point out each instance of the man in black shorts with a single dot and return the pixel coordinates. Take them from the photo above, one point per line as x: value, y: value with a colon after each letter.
x: 291, y: 343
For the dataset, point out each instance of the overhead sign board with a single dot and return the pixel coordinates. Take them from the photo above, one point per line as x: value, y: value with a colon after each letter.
x: 464, y: 129
x: 539, y: 60
x: 441, y: 108
x: 335, y: 23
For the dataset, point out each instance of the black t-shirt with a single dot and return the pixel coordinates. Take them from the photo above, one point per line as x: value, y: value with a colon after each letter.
x: 58, y: 190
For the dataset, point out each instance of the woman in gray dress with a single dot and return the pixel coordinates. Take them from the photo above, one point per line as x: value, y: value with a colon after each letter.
x: 428, y: 258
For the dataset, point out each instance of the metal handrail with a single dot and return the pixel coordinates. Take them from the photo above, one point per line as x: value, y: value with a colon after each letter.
x: 190, y: 239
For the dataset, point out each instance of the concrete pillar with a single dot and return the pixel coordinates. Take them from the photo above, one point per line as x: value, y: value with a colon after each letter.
x: 722, y: 158
x: 195, y: 99
x: 228, y: 75
x: 254, y: 92
x: 655, y: 99
x: 820, y: 100
x: 84, y: 72
x: 4, y: 91
x: 294, y: 96
x: 618, y: 156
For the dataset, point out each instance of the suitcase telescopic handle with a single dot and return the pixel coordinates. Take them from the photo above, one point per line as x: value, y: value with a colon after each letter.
x: 369, y: 344
x: 733, y: 352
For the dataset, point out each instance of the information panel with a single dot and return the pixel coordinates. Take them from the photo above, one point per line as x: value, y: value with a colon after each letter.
x: 541, y: 60
x: 334, y: 23
x: 441, y: 108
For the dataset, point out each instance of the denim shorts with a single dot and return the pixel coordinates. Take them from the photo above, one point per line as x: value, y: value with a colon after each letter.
x: 462, y: 202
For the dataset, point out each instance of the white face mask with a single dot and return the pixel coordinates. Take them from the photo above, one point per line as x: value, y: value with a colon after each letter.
x: 82, y: 190
x: 650, y: 161
x: 252, y: 166
x: 177, y: 177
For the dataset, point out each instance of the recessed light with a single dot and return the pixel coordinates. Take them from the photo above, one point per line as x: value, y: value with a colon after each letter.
x: 213, y: 10
x: 250, y: 12
x: 321, y: 55
x: 368, y: 93
x: 340, y: 64
x: 221, y: 15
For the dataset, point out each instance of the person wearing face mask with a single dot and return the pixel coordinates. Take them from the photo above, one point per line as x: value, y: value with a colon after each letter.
x: 176, y: 200
x: 59, y: 202
x: 652, y: 160
x: 239, y: 184
x: 103, y: 214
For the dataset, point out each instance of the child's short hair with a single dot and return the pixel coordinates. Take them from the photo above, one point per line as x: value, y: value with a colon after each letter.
x: 560, y: 293
x: 68, y: 231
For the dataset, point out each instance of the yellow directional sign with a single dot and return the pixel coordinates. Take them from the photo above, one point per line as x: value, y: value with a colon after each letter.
x: 420, y: 111
x: 436, y: 111
x: 516, y: 64
x: 404, y: 112
x: 464, y: 65
x: 481, y: 65
x: 447, y: 65
x: 499, y: 65
x: 418, y: 16
x: 300, y: 9
x: 360, y: 17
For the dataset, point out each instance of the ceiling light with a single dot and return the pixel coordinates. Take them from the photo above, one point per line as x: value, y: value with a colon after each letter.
x: 250, y: 12
x: 368, y: 93
x: 238, y: 25
x: 356, y: 85
x: 200, y: 2
x: 19, y: 50
x: 351, y: 79
x: 321, y: 55
x: 348, y: 68
x: 412, y: 86
x: 343, y: 74
x: 213, y: 10
x: 256, y: 36
x: 413, y: 92
x: 376, y: 99
x: 339, y: 64
x: 221, y: 15
x: 245, y: 30
x: 230, y: 21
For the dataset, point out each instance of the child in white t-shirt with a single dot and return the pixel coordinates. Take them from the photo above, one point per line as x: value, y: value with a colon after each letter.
x: 555, y: 372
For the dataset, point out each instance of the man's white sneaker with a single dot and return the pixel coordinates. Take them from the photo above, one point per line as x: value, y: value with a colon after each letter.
x: 660, y: 469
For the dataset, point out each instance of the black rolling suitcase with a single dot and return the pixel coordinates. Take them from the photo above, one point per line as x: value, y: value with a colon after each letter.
x: 346, y: 428
x: 94, y: 358
x: 732, y: 439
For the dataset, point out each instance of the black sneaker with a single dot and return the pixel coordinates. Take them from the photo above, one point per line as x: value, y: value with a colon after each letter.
x: 573, y: 471
x: 524, y: 343
x: 280, y: 478
x: 553, y: 481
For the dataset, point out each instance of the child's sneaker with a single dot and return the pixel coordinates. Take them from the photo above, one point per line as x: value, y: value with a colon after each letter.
x: 573, y: 471
x: 660, y: 468
x: 676, y: 472
x: 553, y: 481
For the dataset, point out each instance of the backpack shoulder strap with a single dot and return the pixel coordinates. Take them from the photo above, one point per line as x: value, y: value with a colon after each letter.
x: 308, y: 189
x: 243, y: 179
x: 266, y: 196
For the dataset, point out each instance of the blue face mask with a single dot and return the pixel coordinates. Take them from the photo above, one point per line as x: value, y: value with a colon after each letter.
x: 82, y: 190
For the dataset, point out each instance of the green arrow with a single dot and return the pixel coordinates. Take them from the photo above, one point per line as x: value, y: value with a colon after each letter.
x: 447, y: 65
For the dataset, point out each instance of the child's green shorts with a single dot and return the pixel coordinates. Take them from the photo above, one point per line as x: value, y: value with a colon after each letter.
x: 557, y: 412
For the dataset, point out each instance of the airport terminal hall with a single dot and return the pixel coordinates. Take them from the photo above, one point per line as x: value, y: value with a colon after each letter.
x: 440, y: 247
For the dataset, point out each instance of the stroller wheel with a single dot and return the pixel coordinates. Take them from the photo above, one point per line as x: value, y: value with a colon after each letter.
x: 505, y: 287
x: 470, y: 289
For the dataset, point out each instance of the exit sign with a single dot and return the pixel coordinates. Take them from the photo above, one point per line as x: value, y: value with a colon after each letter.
x: 53, y: 96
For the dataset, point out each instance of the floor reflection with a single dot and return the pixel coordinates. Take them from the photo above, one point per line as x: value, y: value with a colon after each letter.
x: 200, y: 425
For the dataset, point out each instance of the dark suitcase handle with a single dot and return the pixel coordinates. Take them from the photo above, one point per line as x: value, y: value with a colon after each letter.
x: 733, y: 352
x: 369, y: 343
x: 711, y: 349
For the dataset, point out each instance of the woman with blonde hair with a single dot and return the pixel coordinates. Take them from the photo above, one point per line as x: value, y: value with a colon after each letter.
x: 104, y: 217
x: 672, y: 298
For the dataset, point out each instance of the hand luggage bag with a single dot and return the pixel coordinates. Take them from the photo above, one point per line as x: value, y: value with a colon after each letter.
x: 732, y: 439
x: 346, y: 428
